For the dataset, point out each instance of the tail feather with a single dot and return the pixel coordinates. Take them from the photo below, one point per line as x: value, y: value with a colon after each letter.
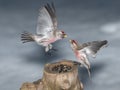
x: 89, y: 74
x: 26, y: 37
x: 88, y: 68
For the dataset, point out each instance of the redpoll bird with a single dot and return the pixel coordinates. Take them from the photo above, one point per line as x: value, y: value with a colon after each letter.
x: 47, y: 31
x: 83, y: 50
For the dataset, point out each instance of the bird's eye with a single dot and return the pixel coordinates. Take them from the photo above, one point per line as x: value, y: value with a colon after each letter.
x: 62, y: 32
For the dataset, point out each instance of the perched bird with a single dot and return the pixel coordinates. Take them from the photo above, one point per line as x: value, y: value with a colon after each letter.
x: 47, y: 31
x: 83, y: 50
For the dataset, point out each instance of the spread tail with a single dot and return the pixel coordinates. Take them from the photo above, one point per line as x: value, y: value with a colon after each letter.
x: 26, y: 37
x: 89, y: 73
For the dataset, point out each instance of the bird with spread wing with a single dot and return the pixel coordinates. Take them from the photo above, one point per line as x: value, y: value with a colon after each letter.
x: 47, y: 31
x: 83, y: 50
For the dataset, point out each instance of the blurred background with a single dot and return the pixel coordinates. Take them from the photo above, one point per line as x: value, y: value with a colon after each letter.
x: 82, y: 20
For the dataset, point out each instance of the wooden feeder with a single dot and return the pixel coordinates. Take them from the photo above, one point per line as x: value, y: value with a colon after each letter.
x: 61, y: 75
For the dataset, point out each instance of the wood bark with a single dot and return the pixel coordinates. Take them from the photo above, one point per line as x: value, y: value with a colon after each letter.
x: 56, y: 80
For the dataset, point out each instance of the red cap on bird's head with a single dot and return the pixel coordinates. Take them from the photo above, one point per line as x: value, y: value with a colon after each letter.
x: 73, y: 42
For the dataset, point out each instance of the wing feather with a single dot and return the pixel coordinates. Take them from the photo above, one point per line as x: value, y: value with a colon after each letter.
x: 47, y: 20
x: 91, y: 48
x: 44, y: 24
x: 52, y: 12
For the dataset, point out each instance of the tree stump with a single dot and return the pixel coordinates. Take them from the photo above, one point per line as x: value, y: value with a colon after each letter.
x: 61, y: 75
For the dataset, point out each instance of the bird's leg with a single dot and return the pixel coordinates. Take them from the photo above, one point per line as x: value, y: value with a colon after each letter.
x: 52, y: 48
x: 48, y: 49
x: 49, y: 53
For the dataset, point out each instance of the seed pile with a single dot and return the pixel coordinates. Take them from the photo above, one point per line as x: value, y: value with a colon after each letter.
x: 61, y: 68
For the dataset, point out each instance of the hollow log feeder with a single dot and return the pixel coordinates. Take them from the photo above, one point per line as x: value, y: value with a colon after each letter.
x: 61, y: 75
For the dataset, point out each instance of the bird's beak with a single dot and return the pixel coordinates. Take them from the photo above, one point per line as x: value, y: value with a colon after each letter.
x: 64, y: 35
x: 70, y: 41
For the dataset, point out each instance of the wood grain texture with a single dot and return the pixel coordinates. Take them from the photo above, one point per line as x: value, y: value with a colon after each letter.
x: 53, y: 80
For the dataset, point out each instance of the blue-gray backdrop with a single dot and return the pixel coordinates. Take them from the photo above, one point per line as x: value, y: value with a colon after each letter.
x: 82, y: 20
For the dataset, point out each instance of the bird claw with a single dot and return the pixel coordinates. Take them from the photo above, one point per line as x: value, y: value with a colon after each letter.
x: 50, y: 52
x: 53, y: 49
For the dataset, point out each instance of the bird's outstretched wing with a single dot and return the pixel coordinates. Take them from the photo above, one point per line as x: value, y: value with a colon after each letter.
x: 91, y: 48
x: 51, y: 10
x: 47, y: 21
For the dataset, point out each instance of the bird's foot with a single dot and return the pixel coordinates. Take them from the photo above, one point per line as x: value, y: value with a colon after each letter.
x: 49, y: 53
x: 53, y: 49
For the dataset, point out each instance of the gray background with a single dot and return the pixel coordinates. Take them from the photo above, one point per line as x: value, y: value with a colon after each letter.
x: 82, y: 20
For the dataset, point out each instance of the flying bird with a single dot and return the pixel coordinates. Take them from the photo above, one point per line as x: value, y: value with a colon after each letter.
x: 46, y: 31
x: 82, y: 51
